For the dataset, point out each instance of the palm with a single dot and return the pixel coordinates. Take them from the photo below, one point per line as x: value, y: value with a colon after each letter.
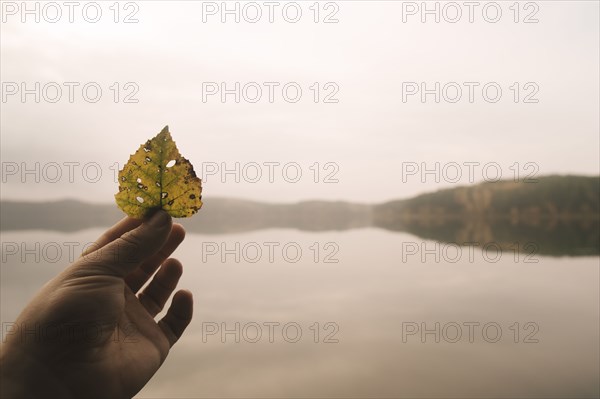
x: 136, y: 348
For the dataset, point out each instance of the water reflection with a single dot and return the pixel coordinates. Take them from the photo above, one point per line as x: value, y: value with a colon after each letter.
x: 554, y: 235
x: 370, y: 293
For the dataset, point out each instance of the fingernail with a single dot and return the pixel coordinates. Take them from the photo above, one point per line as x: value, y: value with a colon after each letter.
x: 159, y: 219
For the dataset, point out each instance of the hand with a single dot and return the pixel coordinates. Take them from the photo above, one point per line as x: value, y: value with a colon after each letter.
x: 93, y: 336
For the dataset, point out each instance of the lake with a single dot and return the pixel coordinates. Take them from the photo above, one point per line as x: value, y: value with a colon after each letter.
x: 359, y: 313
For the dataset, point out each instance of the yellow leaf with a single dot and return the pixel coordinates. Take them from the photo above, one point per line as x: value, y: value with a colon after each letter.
x: 158, y: 177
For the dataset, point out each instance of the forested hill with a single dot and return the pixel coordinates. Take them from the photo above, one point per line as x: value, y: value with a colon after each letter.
x: 558, y: 197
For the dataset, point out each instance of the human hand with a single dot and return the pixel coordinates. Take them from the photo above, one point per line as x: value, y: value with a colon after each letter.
x: 101, y: 339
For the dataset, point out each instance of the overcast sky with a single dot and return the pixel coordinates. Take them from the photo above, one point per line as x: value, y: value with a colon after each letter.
x: 367, y: 61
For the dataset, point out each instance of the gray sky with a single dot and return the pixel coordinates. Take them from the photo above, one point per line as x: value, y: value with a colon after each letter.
x: 362, y: 140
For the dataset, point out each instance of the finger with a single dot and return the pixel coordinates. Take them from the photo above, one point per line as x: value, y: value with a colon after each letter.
x: 139, y: 276
x: 122, y: 255
x: 116, y: 231
x: 178, y: 316
x: 155, y: 295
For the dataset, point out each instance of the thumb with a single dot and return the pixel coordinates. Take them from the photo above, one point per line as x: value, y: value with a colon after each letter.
x: 124, y: 254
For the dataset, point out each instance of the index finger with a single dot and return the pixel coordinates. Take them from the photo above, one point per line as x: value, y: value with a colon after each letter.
x: 123, y: 226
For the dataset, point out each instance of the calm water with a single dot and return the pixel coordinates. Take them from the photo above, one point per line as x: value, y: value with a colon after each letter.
x: 369, y: 302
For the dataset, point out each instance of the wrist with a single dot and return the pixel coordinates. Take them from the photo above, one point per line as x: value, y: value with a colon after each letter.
x: 23, y: 376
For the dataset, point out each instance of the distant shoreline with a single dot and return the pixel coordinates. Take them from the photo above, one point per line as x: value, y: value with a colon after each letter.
x: 560, y: 213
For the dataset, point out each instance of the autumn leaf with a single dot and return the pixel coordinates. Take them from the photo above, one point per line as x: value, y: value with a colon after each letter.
x: 158, y: 177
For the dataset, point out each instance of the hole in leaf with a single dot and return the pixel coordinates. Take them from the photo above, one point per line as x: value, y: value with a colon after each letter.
x: 171, y: 163
x: 139, y: 180
x: 140, y: 200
